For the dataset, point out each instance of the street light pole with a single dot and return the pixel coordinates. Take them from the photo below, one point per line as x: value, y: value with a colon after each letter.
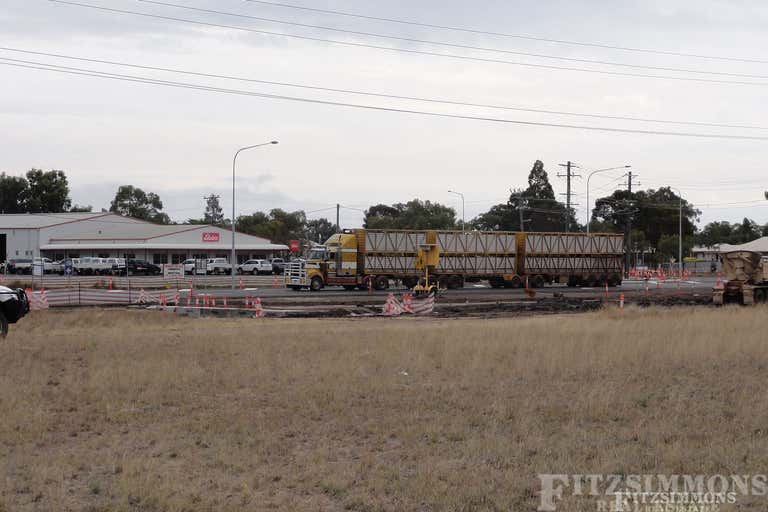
x: 590, y: 177
x: 234, y: 163
x: 463, y: 220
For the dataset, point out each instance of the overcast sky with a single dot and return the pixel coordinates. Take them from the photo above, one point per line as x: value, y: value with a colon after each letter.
x: 179, y: 142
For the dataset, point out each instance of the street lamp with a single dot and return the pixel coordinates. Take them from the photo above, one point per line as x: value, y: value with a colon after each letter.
x: 590, y: 177
x: 234, y: 162
x: 463, y: 221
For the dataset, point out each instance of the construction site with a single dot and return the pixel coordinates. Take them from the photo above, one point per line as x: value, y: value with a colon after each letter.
x: 360, y: 256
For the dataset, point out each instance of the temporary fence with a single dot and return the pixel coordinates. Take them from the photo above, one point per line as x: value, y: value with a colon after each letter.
x: 136, y: 282
x: 395, y: 307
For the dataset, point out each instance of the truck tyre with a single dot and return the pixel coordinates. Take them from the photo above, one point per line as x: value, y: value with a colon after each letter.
x: 316, y: 284
x: 614, y: 280
x: 381, y: 283
x: 495, y: 282
x: 590, y: 281
x: 760, y: 296
x: 455, y: 282
x: 537, y: 282
x: 3, y: 325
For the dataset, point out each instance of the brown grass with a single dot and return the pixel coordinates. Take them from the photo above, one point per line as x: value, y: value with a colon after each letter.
x: 115, y: 410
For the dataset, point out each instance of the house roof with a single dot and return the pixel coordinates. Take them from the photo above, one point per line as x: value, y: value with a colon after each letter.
x: 44, y: 220
x: 759, y: 245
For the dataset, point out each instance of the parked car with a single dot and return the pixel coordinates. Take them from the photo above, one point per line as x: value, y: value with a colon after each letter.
x: 141, y: 267
x: 93, y: 266
x: 117, y: 265
x: 218, y: 266
x: 255, y: 267
x: 48, y: 266
x: 19, y: 266
x: 194, y: 267
x: 278, y: 265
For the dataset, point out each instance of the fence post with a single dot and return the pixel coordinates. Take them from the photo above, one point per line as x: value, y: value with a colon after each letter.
x: 79, y: 302
x: 129, y: 291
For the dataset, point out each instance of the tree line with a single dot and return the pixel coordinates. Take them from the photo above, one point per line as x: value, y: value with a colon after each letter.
x: 653, y: 214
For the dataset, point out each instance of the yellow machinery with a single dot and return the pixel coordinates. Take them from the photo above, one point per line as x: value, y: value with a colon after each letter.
x: 427, y: 259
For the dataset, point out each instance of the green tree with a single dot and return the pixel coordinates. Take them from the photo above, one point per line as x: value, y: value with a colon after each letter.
x: 213, y: 212
x: 653, y: 212
x: 48, y: 192
x: 320, y: 230
x: 13, y: 194
x: 668, y: 248
x: 540, y: 210
x: 278, y: 225
x: 81, y: 208
x: 415, y: 214
x: 716, y: 232
x: 133, y: 202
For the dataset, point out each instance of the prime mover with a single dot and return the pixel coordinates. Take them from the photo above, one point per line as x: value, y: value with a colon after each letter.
x: 371, y: 258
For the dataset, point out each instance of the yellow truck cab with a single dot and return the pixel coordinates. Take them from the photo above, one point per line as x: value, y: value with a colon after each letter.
x: 333, y: 264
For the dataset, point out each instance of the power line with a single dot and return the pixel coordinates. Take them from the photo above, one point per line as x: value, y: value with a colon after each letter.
x: 375, y: 94
x: 151, y: 81
x: 502, y: 34
x: 411, y: 51
x: 446, y: 44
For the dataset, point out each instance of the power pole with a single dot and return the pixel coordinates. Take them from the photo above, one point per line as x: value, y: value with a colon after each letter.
x: 630, y: 212
x: 568, y: 204
x: 338, y: 226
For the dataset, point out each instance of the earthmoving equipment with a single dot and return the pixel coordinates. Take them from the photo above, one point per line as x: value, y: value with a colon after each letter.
x: 746, y: 274
x: 361, y: 258
x: 13, y: 306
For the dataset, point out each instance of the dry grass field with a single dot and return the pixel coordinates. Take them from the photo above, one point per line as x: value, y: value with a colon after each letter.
x: 140, y: 411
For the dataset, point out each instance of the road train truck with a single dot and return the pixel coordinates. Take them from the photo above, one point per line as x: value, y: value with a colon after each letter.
x: 363, y: 258
x: 746, y: 275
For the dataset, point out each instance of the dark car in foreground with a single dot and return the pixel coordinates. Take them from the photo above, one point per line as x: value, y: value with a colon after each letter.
x: 13, y: 305
x: 138, y: 268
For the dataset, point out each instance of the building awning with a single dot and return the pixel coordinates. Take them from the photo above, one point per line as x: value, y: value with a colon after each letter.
x: 161, y: 247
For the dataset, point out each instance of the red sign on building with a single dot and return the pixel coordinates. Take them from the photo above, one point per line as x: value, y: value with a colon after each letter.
x: 211, y: 237
x: 294, y: 245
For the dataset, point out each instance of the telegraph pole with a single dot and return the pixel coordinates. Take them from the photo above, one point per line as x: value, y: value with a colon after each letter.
x: 568, y: 204
x: 338, y: 226
x: 628, y: 256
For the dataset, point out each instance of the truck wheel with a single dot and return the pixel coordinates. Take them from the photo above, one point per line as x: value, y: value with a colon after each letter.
x: 316, y: 284
x: 537, y: 282
x: 3, y: 325
x: 760, y: 296
x: 614, y: 280
x: 515, y: 282
x: 381, y: 283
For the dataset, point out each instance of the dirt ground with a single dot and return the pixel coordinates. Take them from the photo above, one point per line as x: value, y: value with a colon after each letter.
x: 111, y: 410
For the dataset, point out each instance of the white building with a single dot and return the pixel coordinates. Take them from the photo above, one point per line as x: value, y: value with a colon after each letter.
x: 108, y: 235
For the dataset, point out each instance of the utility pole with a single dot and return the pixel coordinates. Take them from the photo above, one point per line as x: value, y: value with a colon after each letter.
x: 628, y: 237
x: 338, y: 226
x: 568, y: 204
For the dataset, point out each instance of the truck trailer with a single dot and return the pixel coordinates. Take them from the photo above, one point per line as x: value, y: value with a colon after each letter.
x: 746, y: 275
x: 363, y: 258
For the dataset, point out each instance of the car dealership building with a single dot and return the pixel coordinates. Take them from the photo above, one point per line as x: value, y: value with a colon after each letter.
x: 109, y: 235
